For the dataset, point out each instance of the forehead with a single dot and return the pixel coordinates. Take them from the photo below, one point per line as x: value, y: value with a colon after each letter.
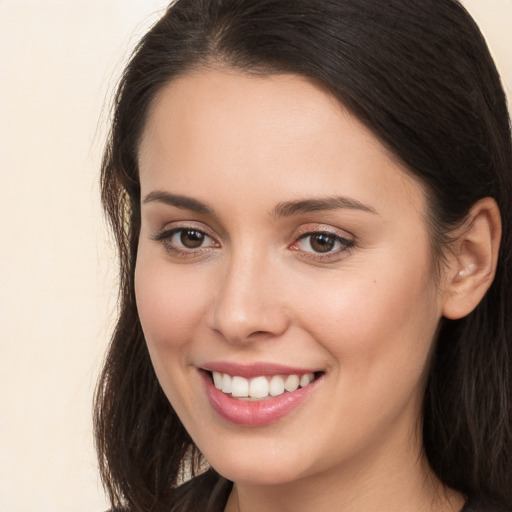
x: 198, y: 104
x: 282, y: 135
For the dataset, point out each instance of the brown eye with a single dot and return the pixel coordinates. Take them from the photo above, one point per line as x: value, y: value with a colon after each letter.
x: 191, y: 238
x: 185, y: 241
x: 322, y: 242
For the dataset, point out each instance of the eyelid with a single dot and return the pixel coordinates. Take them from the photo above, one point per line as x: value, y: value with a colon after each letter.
x: 183, y: 225
x: 308, y: 229
x: 165, y: 235
x: 347, y: 241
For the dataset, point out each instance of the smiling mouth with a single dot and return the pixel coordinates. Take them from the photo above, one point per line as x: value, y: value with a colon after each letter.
x: 261, y: 387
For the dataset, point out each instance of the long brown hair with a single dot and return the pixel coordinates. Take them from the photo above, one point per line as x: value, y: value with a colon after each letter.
x: 418, y: 73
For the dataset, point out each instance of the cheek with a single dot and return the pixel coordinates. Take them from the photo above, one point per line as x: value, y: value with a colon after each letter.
x: 380, y: 318
x: 171, y: 305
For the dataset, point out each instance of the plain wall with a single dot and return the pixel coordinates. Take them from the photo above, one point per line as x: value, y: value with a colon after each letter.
x: 59, y: 62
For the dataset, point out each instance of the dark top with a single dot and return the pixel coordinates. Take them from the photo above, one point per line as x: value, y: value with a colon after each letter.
x: 209, y: 492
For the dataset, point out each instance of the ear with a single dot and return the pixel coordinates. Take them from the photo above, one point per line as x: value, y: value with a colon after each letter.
x: 472, y: 259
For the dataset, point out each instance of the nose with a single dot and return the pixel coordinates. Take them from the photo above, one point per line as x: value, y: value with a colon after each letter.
x: 249, y: 305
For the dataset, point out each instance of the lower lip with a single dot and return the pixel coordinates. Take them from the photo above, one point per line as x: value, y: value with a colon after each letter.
x: 257, y: 413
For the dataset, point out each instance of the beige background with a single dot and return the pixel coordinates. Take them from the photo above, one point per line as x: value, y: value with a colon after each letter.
x: 59, y: 61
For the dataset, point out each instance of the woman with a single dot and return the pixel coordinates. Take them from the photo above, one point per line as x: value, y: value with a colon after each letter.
x: 312, y: 202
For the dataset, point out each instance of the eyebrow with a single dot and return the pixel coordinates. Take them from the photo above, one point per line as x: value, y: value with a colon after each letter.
x: 179, y: 201
x: 289, y: 208
x: 284, y: 209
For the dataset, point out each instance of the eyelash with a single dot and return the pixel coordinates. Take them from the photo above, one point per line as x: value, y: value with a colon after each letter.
x: 344, y: 244
x: 166, y: 239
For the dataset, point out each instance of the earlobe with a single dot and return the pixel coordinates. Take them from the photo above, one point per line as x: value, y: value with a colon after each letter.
x: 473, y: 259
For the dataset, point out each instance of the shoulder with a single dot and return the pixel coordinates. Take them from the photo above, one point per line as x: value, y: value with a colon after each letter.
x: 476, y: 505
x: 207, y: 492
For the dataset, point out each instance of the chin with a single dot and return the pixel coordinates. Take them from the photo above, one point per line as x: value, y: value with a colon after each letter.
x: 251, y: 473
x: 253, y: 463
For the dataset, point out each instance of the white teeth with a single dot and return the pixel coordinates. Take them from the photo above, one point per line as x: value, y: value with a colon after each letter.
x: 306, y: 379
x: 260, y: 387
x: 239, y: 387
x: 226, y: 383
x: 217, y: 380
x: 291, y: 383
x: 276, y: 386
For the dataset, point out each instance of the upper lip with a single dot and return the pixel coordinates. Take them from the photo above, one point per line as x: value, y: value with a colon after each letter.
x: 254, y: 369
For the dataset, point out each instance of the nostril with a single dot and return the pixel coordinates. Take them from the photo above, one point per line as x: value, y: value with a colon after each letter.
x: 257, y: 334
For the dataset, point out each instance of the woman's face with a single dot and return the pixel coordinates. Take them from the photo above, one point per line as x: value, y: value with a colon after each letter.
x: 280, y: 241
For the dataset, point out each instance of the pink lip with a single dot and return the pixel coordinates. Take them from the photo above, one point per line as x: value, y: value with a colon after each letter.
x: 254, y: 370
x: 258, y: 413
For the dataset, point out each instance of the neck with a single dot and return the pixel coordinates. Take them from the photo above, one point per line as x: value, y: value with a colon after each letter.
x: 403, y: 485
